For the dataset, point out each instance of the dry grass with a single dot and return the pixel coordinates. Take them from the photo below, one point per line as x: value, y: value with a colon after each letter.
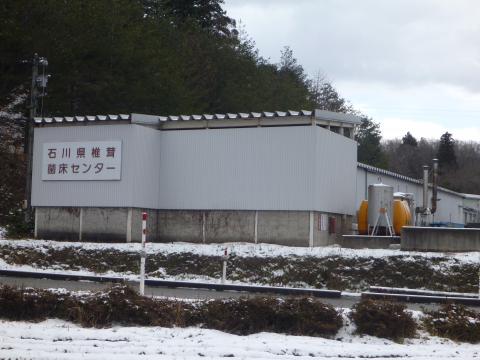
x: 455, y: 322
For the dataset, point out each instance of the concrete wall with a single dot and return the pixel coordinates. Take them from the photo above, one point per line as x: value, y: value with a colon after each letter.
x: 104, y: 224
x: 134, y: 225
x: 284, y: 227
x: 180, y: 225
x: 293, y: 228
x: 327, y: 236
x: 440, y: 239
x: 229, y: 226
x: 81, y: 224
x: 367, y: 242
x: 57, y: 223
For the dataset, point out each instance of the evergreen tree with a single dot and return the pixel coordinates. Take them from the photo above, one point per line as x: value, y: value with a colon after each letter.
x: 326, y: 97
x: 369, y: 148
x: 408, y: 139
x: 446, y: 151
x: 207, y: 14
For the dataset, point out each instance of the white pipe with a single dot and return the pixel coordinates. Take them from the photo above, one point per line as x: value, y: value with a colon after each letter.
x: 129, y: 225
x: 204, y: 230
x: 143, y: 254
x: 425, y: 187
x: 310, y: 230
x: 80, y: 227
x: 255, y: 235
x: 35, y: 230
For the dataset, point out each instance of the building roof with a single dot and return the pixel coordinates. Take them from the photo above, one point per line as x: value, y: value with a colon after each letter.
x: 375, y: 170
x: 290, y: 117
x: 155, y: 119
x: 337, y: 117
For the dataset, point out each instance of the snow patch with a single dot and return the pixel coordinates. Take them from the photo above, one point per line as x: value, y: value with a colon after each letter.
x: 55, y: 339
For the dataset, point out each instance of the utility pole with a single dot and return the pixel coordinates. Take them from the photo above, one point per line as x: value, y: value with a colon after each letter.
x: 39, y: 84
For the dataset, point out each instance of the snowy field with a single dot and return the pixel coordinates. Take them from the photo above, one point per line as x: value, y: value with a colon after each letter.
x: 244, y: 250
x: 55, y: 339
x: 441, y: 262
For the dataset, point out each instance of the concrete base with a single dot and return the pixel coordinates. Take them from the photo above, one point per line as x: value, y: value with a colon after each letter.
x: 58, y: 223
x: 368, y: 242
x: 440, y: 239
x: 292, y: 228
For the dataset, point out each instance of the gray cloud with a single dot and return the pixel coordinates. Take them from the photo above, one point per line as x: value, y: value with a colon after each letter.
x: 400, y: 42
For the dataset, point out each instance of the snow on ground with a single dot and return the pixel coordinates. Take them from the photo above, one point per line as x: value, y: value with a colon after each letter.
x: 245, y: 250
x: 55, y: 339
x: 237, y: 249
x: 2, y: 233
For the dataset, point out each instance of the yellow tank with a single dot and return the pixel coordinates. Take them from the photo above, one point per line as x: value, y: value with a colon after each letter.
x: 363, y: 218
x: 401, y: 215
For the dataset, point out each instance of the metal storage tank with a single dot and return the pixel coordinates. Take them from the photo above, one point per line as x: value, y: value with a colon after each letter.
x: 380, y: 196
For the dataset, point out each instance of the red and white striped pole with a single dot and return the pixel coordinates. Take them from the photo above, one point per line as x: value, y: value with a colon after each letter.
x: 143, y: 254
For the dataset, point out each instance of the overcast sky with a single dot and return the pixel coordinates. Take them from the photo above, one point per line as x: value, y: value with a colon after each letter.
x: 412, y: 65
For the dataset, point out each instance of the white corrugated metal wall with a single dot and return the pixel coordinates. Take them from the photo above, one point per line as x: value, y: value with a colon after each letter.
x: 139, y: 158
x: 274, y: 168
x: 257, y: 169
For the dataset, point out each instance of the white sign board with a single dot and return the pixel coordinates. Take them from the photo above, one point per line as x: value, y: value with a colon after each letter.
x: 323, y: 222
x: 94, y: 160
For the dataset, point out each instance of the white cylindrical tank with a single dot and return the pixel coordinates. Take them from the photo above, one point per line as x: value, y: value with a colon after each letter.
x: 380, y: 196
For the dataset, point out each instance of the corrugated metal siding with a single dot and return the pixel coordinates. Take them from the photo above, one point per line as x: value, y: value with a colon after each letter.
x: 271, y: 168
x: 139, y: 149
x: 238, y: 169
x: 335, y: 172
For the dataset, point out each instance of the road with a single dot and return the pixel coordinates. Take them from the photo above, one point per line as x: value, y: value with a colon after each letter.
x: 346, y: 301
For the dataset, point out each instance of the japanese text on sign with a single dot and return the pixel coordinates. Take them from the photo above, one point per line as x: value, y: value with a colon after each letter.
x: 96, y: 160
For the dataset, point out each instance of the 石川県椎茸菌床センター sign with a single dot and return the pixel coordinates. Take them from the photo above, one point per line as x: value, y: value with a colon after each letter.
x: 93, y: 160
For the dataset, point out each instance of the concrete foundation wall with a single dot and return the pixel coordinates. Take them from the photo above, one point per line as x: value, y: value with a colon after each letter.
x: 293, y: 228
x: 180, y: 225
x: 284, y: 227
x: 104, y: 224
x: 440, y: 239
x: 134, y: 225
x: 58, y: 223
x: 368, y: 242
x: 229, y: 226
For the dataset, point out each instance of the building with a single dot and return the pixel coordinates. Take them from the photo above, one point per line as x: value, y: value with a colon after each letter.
x: 284, y: 177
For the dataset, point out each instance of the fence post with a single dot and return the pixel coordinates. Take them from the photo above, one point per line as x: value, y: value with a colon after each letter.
x: 143, y: 254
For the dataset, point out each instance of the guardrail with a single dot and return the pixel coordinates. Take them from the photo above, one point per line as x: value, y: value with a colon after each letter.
x: 420, y: 296
x: 384, y: 293
x: 320, y: 293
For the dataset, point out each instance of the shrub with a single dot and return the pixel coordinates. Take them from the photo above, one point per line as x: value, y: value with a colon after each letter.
x: 455, y: 322
x: 122, y: 305
x: 251, y: 315
x: 383, y: 319
x: 29, y: 304
x: 16, y: 227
